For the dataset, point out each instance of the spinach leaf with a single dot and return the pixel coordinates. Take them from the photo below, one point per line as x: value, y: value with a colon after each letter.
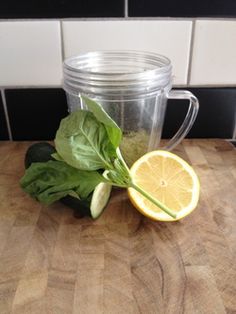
x: 82, y: 142
x: 52, y: 180
x: 113, y: 131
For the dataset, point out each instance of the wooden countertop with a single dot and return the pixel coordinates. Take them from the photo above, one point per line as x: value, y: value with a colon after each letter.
x: 53, y: 263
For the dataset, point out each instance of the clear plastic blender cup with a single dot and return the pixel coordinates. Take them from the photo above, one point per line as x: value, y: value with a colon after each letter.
x: 133, y: 87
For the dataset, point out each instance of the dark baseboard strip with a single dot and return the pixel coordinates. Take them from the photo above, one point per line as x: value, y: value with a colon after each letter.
x: 106, y: 8
x: 182, y: 8
x: 35, y: 114
x: 61, y: 9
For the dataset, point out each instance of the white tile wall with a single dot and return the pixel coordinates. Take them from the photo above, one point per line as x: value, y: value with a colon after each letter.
x: 30, y: 53
x: 214, y: 53
x: 170, y: 38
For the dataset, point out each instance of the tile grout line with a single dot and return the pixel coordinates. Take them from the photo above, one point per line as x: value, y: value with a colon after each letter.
x: 62, y: 41
x: 234, y: 131
x: 126, y: 9
x: 133, y: 18
x: 191, y: 51
x: 4, y: 102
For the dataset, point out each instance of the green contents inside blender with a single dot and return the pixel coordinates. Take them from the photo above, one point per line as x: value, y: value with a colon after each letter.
x: 134, y: 144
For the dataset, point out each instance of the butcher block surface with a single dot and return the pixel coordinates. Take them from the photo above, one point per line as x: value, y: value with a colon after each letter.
x: 51, y: 262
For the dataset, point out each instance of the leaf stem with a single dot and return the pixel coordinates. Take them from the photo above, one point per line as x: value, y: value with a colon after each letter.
x: 154, y: 200
x: 120, y: 157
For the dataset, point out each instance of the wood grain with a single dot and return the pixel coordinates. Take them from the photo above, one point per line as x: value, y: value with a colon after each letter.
x: 52, y: 263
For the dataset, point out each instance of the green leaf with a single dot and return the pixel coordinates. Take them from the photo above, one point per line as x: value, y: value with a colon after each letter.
x: 113, y: 131
x: 52, y: 180
x: 82, y: 142
x: 57, y: 157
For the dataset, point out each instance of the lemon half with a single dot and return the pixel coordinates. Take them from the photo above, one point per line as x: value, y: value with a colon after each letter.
x: 168, y: 178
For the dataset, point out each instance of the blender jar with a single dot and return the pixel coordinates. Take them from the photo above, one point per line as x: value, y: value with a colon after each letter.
x: 133, y: 88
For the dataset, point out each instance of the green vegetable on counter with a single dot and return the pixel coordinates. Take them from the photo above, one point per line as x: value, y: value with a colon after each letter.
x: 39, y: 152
x: 86, y: 142
x: 93, y: 205
x: 48, y: 180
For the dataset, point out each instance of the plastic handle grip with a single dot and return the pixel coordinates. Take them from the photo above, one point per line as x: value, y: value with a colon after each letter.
x: 189, y: 118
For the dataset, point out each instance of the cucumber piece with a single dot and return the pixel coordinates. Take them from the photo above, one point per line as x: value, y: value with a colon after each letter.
x: 81, y: 207
x: 39, y: 152
x: 100, y: 198
x: 94, y: 205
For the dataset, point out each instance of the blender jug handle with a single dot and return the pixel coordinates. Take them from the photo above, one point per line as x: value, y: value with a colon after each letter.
x: 189, y: 118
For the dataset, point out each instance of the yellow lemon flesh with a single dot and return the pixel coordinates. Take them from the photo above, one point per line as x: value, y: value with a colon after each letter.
x: 168, y: 178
